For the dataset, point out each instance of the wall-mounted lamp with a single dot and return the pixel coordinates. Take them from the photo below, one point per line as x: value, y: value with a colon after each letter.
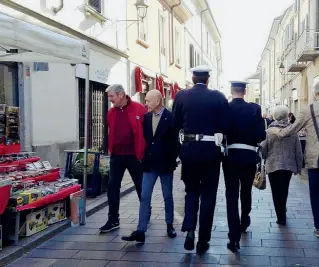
x: 141, y: 7
x: 282, y: 68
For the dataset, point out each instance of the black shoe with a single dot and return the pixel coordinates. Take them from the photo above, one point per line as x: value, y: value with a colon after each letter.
x: 281, y: 222
x: 233, y: 246
x: 244, y: 225
x: 135, y: 236
x: 202, y: 247
x: 109, y: 226
x: 190, y: 241
x: 171, y: 231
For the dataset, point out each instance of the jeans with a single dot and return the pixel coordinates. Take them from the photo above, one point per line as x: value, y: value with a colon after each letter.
x: 149, y: 180
x: 279, y: 182
x: 314, y: 194
x: 118, y: 165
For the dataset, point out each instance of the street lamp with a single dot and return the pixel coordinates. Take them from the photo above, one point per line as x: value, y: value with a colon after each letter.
x: 141, y: 7
x: 282, y: 68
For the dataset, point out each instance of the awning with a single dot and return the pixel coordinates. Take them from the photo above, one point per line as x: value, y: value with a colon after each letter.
x: 24, y: 42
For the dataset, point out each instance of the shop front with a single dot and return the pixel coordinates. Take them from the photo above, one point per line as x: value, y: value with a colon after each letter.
x: 32, y: 194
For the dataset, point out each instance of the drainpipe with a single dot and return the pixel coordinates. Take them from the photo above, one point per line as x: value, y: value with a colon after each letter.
x: 201, y: 34
x: 59, y: 7
x: 172, y: 32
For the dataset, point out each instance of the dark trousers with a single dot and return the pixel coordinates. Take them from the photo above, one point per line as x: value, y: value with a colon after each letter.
x: 238, y: 177
x: 118, y: 165
x: 201, y: 183
x: 314, y: 194
x: 279, y: 182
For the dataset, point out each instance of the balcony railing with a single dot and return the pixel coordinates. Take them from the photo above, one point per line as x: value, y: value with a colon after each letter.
x: 307, y: 48
x: 292, y: 64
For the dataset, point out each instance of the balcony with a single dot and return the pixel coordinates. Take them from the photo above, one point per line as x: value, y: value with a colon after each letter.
x: 307, y: 48
x: 292, y: 64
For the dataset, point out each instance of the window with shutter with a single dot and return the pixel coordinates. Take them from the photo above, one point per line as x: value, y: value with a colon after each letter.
x: 96, y: 4
x: 191, y: 56
x: 178, y: 46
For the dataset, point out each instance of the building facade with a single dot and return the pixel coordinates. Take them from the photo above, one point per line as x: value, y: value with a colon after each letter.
x: 174, y: 37
x: 253, y: 89
x: 141, y: 54
x: 292, y: 55
x: 51, y: 96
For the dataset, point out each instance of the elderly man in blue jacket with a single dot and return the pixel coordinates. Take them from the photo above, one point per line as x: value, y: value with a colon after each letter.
x: 159, y: 161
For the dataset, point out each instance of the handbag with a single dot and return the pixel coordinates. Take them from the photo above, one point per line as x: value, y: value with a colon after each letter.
x: 315, y: 124
x: 260, y: 176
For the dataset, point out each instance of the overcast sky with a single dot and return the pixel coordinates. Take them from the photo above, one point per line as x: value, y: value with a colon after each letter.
x: 244, y: 26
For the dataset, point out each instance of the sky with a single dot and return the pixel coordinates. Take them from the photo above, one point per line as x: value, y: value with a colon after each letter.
x: 244, y: 26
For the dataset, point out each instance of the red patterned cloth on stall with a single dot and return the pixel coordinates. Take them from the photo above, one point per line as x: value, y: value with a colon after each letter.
x: 4, y: 197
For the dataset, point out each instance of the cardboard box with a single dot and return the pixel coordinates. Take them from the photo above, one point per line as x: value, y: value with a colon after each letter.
x: 56, y: 212
x: 35, y: 222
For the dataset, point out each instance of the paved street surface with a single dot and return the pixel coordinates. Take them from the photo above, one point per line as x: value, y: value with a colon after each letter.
x: 266, y: 244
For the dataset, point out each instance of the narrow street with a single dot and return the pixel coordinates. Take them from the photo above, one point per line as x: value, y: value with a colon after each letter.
x: 265, y: 244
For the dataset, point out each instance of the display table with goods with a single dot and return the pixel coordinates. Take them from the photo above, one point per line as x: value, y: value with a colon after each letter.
x: 36, y: 197
x: 98, y: 170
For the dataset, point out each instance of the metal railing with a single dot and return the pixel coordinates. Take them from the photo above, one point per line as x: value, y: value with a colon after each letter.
x: 307, y: 42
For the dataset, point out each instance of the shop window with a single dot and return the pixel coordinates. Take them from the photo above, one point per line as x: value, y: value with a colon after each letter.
x: 9, y: 94
x: 96, y: 4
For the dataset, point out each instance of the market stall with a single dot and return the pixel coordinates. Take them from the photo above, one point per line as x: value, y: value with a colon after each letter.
x: 24, y: 42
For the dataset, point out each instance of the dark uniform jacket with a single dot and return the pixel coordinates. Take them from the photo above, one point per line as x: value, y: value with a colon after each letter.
x: 161, y: 149
x: 246, y: 127
x: 200, y: 111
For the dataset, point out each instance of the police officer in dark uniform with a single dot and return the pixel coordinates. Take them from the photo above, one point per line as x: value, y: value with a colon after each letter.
x: 246, y: 130
x: 201, y: 117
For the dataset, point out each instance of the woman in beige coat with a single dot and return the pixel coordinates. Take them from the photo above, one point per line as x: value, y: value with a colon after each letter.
x: 304, y: 120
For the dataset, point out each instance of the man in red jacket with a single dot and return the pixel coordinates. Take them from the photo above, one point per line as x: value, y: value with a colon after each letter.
x: 126, y: 145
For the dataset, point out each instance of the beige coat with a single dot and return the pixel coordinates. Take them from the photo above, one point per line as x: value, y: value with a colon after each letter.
x: 304, y: 120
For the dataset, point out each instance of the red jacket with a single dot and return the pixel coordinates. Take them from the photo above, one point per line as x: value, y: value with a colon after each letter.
x: 136, y: 113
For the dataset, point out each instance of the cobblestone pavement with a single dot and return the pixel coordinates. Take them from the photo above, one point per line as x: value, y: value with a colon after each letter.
x: 266, y: 244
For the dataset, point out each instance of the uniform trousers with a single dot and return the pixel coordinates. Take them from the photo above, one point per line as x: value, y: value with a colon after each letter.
x: 201, y: 184
x: 238, y: 177
x: 279, y: 182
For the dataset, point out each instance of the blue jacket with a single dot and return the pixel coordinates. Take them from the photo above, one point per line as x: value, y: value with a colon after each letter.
x: 162, y: 148
x: 200, y: 111
x: 246, y: 127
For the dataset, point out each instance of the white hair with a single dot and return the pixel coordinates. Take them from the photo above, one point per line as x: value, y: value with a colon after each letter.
x: 281, y: 113
x: 316, y: 86
x: 116, y: 88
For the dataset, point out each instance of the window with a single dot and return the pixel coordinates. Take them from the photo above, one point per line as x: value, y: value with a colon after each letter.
x: 297, y: 5
x: 207, y: 42
x: 178, y: 47
x: 96, y: 4
x: 163, y: 30
x: 143, y: 30
x: 191, y: 56
x: 197, y: 58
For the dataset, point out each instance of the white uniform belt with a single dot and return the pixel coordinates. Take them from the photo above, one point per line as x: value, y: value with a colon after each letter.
x: 208, y: 138
x: 197, y: 137
x: 241, y: 146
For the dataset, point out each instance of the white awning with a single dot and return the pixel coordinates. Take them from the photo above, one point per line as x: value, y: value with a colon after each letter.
x: 24, y: 42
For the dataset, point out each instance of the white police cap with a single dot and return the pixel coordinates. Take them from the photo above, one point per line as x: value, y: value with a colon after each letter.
x: 202, y: 70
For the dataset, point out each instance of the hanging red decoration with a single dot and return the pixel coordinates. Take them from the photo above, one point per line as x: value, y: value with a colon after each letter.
x: 138, y: 79
x: 160, y: 85
x: 176, y: 89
